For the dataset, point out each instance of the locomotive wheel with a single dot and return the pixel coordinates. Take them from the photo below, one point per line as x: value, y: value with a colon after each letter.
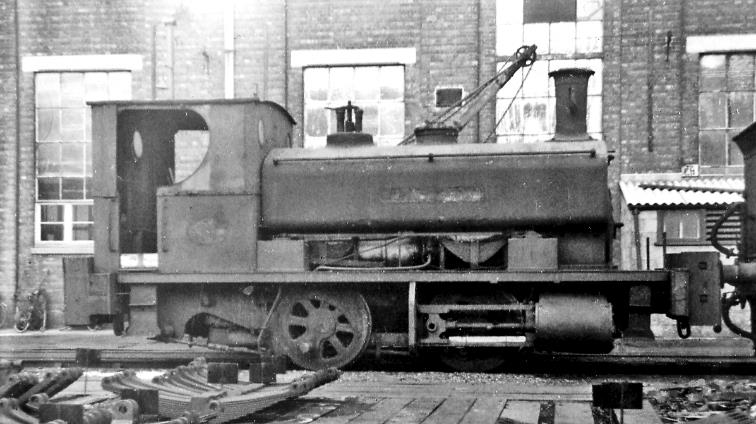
x: 317, y: 329
x: 472, y: 359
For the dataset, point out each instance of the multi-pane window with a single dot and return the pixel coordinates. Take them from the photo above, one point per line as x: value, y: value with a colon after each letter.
x: 725, y: 105
x: 377, y: 90
x: 64, y: 156
x: 683, y: 225
x: 568, y: 33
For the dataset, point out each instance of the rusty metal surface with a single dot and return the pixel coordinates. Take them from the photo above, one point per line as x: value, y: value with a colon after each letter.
x: 186, y: 388
x: 442, y: 187
x: 430, y: 277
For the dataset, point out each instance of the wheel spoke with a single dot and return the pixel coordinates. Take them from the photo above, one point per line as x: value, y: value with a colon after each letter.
x: 344, y: 328
x: 301, y: 321
x: 336, y: 343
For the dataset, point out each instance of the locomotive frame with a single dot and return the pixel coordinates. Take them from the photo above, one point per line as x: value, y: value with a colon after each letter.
x: 229, y: 267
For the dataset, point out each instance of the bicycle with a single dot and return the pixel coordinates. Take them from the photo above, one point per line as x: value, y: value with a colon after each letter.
x: 31, y: 312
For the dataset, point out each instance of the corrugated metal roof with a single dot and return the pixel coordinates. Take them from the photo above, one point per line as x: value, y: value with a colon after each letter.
x: 651, y: 190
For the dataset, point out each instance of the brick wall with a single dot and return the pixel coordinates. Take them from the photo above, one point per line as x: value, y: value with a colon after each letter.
x: 643, y: 77
x: 7, y: 152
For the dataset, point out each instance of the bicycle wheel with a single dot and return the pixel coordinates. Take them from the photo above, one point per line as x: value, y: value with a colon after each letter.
x: 23, y: 320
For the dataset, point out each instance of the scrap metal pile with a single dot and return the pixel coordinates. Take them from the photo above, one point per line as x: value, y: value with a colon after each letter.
x: 715, y: 401
x: 192, y: 394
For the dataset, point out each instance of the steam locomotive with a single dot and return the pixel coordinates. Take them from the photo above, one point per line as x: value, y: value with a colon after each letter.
x: 471, y: 251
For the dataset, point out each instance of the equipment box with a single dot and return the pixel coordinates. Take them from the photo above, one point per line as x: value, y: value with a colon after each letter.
x: 281, y: 256
x: 86, y: 293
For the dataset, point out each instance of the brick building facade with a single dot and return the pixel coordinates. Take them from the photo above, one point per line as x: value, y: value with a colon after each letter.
x: 647, y: 55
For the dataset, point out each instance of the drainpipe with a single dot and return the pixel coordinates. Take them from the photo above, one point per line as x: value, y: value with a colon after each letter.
x: 636, y: 232
x: 228, y: 48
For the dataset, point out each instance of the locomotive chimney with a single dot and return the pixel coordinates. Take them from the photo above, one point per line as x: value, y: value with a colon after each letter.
x: 348, y: 132
x: 571, y: 101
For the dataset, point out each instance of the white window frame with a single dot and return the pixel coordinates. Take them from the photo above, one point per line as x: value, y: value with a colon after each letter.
x: 60, y: 65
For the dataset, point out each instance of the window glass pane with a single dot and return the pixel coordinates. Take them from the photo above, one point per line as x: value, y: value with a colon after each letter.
x: 690, y: 226
x: 96, y: 86
x: 595, y: 81
x: 590, y: 10
x: 534, y: 116
x: 72, y: 188
x: 48, y: 188
x: 510, y: 88
x: 87, y: 159
x: 48, y: 159
x: 392, y: 119
x: 511, y: 123
x: 740, y: 109
x: 712, y: 108
x: 47, y: 90
x: 341, y: 86
x: 509, y: 11
x: 589, y: 36
x: 71, y: 89
x: 51, y: 213
x: 712, y: 72
x: 740, y: 73
x: 82, y: 232
x: 562, y: 38
x: 509, y: 39
x: 508, y: 139
x: 51, y: 232
x: 594, y: 114
x: 712, y: 146
x: 316, y: 121
x: 672, y: 224
x: 365, y: 87
x: 734, y: 156
x: 316, y: 83
x: 72, y: 159
x: 48, y: 125
x: 392, y: 83
x: 535, y: 84
x: 549, y: 11
x: 370, y: 119
x: 119, y: 85
x: 72, y: 124
x: 537, y: 34
x: 88, y: 188
x: 82, y: 213
x: 88, y: 124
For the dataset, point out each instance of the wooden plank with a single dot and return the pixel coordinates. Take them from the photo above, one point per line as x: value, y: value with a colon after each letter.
x: 348, y: 410
x: 573, y: 413
x: 450, y: 411
x: 520, y: 412
x: 647, y: 415
x: 485, y: 410
x: 382, y: 411
x: 417, y: 411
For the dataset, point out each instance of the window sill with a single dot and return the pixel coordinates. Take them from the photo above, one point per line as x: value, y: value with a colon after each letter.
x: 63, y: 250
x: 688, y: 243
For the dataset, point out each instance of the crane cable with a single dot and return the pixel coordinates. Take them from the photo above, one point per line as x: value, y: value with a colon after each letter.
x: 457, y: 106
x: 503, y: 114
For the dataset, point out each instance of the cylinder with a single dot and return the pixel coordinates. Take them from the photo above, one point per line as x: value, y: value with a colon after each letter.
x: 574, y: 323
x: 571, y: 103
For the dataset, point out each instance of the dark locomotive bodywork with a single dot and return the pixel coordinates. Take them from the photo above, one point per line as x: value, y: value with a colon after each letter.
x: 318, y: 254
